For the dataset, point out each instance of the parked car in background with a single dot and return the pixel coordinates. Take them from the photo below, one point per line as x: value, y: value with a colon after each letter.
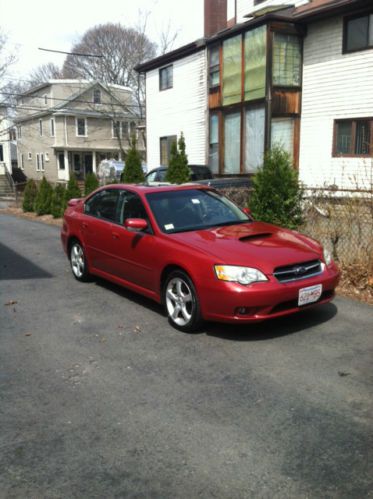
x: 196, y: 252
x: 200, y: 174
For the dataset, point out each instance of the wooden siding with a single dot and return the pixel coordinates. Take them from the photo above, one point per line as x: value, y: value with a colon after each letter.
x: 182, y: 108
x: 335, y: 86
x: 285, y: 102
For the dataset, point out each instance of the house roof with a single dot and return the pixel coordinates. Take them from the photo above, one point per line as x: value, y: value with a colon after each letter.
x: 69, y: 82
x: 314, y: 10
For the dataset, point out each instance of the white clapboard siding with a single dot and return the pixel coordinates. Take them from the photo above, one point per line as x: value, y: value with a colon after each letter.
x: 182, y: 108
x: 335, y: 86
x: 245, y: 7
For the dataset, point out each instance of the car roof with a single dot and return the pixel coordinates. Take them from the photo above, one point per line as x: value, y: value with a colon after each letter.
x: 147, y: 189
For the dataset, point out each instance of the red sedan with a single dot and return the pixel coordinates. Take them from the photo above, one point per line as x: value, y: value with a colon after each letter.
x: 193, y: 250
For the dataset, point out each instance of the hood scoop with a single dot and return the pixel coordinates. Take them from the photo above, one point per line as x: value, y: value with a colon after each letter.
x: 259, y: 235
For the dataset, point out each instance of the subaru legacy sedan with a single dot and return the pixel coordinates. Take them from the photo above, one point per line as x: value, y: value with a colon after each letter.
x: 194, y: 251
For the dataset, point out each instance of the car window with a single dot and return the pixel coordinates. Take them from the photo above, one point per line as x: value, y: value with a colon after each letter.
x: 152, y: 176
x: 131, y: 206
x: 104, y: 205
x: 179, y: 211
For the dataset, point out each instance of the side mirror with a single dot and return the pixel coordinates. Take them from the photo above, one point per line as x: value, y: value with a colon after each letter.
x: 135, y: 224
x: 247, y: 212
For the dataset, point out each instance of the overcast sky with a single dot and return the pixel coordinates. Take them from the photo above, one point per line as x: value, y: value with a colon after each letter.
x: 30, y: 24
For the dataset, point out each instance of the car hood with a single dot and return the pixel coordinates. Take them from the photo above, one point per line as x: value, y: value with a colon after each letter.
x: 254, y: 244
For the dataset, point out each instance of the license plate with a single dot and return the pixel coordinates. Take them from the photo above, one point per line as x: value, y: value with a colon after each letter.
x: 309, y: 295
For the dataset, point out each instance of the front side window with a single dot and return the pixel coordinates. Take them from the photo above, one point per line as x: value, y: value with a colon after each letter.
x: 166, y: 78
x: 214, y: 67
x: 232, y: 70
x: 352, y: 137
x: 165, y: 148
x: 81, y: 127
x: 104, y: 204
x: 287, y: 60
x: 358, y: 33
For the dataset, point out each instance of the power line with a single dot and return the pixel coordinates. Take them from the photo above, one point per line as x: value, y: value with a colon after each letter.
x: 79, y: 54
x: 14, y: 94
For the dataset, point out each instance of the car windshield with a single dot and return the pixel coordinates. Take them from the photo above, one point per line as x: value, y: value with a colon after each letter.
x: 193, y: 209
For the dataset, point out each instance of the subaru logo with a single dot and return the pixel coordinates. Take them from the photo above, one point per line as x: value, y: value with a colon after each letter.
x: 299, y: 270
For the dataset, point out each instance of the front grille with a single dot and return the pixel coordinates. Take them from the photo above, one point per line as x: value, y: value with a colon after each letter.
x: 298, y: 271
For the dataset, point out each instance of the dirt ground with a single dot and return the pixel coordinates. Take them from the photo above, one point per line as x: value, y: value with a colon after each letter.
x: 356, y: 282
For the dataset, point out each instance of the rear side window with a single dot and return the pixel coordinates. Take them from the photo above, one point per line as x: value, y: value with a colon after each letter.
x: 104, y: 204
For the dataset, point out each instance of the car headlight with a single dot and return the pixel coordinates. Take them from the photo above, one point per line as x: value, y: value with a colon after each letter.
x: 243, y: 275
x: 327, y: 256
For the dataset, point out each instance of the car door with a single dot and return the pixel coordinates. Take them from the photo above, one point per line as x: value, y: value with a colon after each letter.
x: 99, y: 223
x: 135, y: 252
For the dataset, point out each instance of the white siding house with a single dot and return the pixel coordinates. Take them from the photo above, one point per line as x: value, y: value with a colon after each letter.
x: 180, y: 108
x: 336, y: 86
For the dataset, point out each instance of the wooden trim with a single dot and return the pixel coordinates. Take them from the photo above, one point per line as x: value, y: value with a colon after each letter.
x: 268, y: 93
x: 296, y: 142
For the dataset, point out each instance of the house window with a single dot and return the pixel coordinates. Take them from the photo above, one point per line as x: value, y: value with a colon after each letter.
x: 45, y: 99
x: 352, y: 137
x: 232, y: 127
x: 46, y: 156
x: 125, y: 129
x: 61, y: 161
x: 232, y: 70
x: 97, y: 96
x: 42, y: 162
x: 214, y: 143
x: 41, y: 127
x: 1, y: 153
x: 116, y: 129
x: 132, y: 129
x: 287, y: 60
x: 29, y: 156
x: 19, y: 132
x: 22, y: 162
x: 214, y: 67
x: 165, y: 148
x: 37, y: 162
x: 282, y: 134
x: 255, y: 63
x: 358, y: 33
x: 52, y: 127
x: 166, y: 78
x: 254, y: 138
x: 81, y: 127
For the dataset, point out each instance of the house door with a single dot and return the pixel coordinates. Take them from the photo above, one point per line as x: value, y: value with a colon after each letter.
x: 88, y: 163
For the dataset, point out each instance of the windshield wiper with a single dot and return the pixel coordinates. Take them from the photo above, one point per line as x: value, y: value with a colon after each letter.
x: 224, y: 224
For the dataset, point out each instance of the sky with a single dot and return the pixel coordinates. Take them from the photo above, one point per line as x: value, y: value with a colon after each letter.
x: 30, y: 24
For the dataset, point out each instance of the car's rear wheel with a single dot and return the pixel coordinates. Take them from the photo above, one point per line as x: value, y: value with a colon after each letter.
x: 78, y: 262
x: 181, y: 302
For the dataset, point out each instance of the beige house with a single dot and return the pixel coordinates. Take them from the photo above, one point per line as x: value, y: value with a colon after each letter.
x: 66, y: 126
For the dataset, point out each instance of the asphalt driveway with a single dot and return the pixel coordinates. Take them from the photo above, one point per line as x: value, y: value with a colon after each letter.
x: 100, y: 397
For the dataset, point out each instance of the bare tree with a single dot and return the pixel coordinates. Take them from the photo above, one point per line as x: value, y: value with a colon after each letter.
x: 118, y: 50
x: 167, y: 39
x: 45, y: 72
x: 6, y: 58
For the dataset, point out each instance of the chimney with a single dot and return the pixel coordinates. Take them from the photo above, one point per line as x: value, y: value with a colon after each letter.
x: 215, y: 16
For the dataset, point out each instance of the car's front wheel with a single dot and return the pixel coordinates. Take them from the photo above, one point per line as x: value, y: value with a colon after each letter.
x: 78, y: 262
x: 181, y: 302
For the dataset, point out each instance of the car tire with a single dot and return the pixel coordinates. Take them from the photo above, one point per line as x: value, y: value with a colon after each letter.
x: 181, y: 302
x: 78, y: 262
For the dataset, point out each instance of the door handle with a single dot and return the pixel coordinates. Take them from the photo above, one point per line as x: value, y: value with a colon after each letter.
x: 115, y: 235
x: 84, y: 225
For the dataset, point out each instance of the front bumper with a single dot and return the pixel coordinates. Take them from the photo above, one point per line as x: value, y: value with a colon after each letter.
x: 234, y: 303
